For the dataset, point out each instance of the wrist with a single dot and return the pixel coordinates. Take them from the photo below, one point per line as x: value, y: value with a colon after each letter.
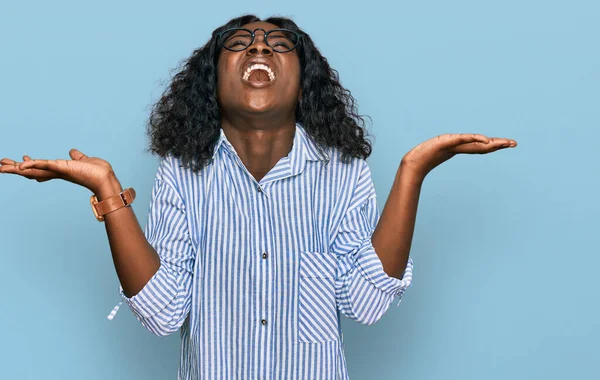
x: 411, y: 172
x: 108, y: 188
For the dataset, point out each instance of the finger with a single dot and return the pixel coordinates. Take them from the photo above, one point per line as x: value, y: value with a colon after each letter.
x: 480, y: 148
x: 26, y: 158
x: 76, y: 155
x: 5, y: 168
x: 504, y: 142
x: 7, y: 161
x: 37, y: 174
x: 58, y: 166
x: 9, y: 164
x: 6, y: 164
x: 454, y: 139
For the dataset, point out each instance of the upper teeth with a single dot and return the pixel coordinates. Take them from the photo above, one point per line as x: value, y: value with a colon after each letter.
x: 258, y: 66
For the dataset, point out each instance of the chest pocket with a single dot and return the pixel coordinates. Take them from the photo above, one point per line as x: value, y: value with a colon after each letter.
x: 317, y: 310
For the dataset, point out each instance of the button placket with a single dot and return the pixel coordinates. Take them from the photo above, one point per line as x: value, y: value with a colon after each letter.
x: 264, y: 257
x: 263, y: 238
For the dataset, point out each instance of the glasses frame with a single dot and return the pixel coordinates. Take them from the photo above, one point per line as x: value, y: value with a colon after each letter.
x: 253, y: 34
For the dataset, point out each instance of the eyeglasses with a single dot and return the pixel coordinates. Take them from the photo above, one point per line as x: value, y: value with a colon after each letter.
x: 238, y: 39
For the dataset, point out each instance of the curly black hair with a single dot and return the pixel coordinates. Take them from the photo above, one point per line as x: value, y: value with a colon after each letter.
x: 186, y: 121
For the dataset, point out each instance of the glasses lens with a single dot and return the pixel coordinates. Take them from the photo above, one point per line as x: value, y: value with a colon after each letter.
x: 236, y: 39
x: 282, y: 40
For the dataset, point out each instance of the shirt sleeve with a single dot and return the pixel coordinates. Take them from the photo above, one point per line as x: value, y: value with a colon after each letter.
x: 364, y: 291
x: 164, y: 302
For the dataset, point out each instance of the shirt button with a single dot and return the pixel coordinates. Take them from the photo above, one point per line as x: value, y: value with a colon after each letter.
x: 259, y: 189
x: 264, y: 255
x: 264, y: 322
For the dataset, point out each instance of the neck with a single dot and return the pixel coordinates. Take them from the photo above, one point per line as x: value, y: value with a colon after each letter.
x: 260, y: 143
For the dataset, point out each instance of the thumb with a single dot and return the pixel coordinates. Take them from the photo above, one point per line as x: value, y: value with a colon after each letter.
x: 76, y: 155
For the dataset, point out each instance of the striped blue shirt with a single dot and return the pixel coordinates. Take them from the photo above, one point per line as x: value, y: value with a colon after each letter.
x: 257, y: 273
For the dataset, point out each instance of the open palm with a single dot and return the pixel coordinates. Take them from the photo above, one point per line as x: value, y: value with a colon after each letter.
x: 89, y: 172
x: 431, y: 153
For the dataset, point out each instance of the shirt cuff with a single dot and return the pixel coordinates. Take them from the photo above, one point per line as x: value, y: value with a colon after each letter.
x: 157, y: 294
x: 369, y: 265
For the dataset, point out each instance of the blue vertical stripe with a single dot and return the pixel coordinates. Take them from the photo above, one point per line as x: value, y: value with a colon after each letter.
x: 255, y: 275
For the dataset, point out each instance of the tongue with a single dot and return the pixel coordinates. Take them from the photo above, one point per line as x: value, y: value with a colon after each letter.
x: 259, y: 75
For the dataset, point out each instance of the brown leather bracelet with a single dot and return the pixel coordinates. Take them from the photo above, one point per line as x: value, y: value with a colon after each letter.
x: 123, y: 199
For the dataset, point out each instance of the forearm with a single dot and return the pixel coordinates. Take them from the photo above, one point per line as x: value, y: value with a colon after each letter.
x: 134, y: 258
x: 393, y: 235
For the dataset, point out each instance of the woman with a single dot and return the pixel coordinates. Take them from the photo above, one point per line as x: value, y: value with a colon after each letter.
x: 263, y: 223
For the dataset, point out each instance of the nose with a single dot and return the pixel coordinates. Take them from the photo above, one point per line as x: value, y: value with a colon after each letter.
x: 259, y: 45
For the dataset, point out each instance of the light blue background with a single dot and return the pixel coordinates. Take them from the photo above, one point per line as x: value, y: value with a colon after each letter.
x: 506, y: 245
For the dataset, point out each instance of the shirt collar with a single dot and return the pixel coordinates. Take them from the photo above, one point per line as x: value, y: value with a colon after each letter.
x: 222, y: 139
x: 303, y: 148
x: 307, y: 148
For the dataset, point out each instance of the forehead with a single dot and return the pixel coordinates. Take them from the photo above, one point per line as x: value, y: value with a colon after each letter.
x: 260, y: 24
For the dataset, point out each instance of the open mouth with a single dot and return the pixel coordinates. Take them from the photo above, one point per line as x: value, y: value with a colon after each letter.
x: 258, y: 72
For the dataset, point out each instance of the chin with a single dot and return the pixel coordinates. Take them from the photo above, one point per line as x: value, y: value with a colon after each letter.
x: 259, y: 106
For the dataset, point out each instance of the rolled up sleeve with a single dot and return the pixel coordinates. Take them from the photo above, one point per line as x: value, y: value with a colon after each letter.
x: 165, y: 301
x: 364, y: 291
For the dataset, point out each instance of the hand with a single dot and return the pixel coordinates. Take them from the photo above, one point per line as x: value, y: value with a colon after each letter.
x: 89, y: 172
x: 426, y: 156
